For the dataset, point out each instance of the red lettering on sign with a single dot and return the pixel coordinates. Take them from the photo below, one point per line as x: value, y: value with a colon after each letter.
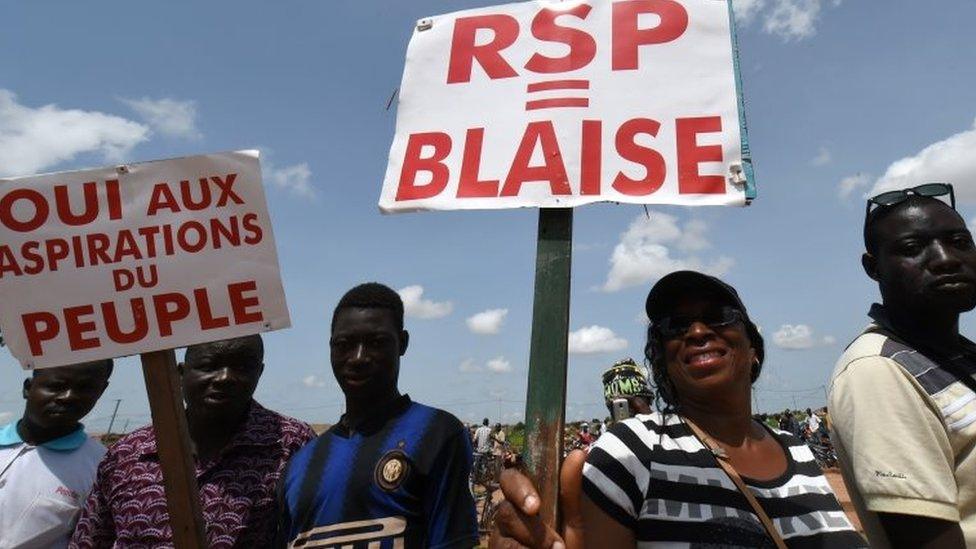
x: 35, y: 333
x: 81, y: 321
x: 183, y: 237
x: 628, y: 37
x: 469, y: 185
x: 186, y: 193
x: 34, y: 260
x: 38, y: 217
x: 239, y: 303
x: 114, y: 199
x: 434, y: 164
x: 591, y: 157
x: 126, y: 246
x: 63, y: 204
x: 166, y: 315
x: 582, y: 46
x: 98, y: 245
x: 77, y: 328
x: 139, y: 319
x: 464, y: 52
x: 207, y: 319
x: 226, y: 191
x: 251, y: 225
x: 123, y: 279
x: 539, y: 144
x: 162, y: 197
x: 8, y: 263
x: 57, y: 250
x: 552, y: 169
x: 650, y: 159
x: 691, y: 154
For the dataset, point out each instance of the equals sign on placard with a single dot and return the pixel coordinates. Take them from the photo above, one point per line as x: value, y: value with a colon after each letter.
x: 557, y: 102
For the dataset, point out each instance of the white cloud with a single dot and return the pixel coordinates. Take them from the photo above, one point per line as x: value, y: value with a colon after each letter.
x: 850, y: 184
x: 487, y: 322
x: 799, y: 336
x: 823, y: 157
x: 595, y: 339
x: 788, y: 19
x: 694, y: 237
x: 499, y: 365
x: 168, y: 116
x: 747, y: 10
x: 295, y: 179
x: 642, y: 319
x: 313, y: 381
x: 792, y: 19
x: 5, y: 416
x: 35, y: 139
x: 789, y: 336
x: 643, y: 254
x: 951, y: 160
x: 414, y: 305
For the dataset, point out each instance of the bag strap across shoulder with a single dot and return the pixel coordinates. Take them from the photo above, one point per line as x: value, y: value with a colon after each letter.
x: 723, y: 462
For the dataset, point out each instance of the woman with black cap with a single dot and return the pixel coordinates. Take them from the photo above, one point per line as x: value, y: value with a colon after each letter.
x: 701, y: 472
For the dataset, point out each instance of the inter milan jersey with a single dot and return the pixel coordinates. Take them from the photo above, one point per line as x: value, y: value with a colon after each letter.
x: 400, y: 480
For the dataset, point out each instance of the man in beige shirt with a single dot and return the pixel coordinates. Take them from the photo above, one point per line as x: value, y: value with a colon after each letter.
x: 903, y: 396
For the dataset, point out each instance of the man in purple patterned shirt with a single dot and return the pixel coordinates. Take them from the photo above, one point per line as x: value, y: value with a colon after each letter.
x: 240, y: 449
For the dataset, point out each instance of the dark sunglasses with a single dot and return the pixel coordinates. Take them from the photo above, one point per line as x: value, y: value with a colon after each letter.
x: 671, y: 327
x: 930, y: 190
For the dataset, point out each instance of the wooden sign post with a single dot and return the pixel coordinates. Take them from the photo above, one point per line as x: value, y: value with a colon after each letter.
x: 173, y: 447
x: 545, y: 408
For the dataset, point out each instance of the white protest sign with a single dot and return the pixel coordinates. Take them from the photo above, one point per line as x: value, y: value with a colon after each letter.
x: 137, y: 258
x: 558, y: 104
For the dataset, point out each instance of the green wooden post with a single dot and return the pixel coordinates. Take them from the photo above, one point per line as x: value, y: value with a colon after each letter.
x: 545, y: 408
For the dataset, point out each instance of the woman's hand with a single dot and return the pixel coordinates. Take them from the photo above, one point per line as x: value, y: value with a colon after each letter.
x: 517, y: 522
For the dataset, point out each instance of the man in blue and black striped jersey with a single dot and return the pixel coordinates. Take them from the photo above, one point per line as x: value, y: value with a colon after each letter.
x: 392, y: 473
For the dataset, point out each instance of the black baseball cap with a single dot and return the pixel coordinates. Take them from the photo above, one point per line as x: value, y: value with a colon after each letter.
x: 672, y: 287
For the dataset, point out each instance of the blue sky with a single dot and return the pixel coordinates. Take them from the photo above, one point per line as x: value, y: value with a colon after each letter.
x: 843, y: 97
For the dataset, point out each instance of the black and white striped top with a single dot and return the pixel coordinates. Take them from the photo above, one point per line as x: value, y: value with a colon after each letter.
x: 660, y: 481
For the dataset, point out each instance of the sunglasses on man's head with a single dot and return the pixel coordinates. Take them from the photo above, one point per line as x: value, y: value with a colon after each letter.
x: 671, y: 327
x: 930, y: 190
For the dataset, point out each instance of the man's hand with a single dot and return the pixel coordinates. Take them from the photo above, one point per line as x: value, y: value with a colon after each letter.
x: 517, y: 522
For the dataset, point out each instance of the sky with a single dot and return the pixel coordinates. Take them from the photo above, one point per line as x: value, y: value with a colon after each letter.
x: 843, y: 98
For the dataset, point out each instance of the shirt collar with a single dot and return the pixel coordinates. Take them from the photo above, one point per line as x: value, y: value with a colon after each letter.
x: 72, y: 441
x: 377, y: 419
x: 9, y: 435
x: 260, y: 428
x: 879, y: 314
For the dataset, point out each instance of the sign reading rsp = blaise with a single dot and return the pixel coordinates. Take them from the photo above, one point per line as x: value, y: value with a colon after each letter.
x: 137, y: 258
x: 557, y: 104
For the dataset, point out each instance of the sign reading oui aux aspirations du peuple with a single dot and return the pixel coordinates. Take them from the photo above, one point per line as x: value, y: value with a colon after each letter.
x: 137, y: 258
x: 557, y: 104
